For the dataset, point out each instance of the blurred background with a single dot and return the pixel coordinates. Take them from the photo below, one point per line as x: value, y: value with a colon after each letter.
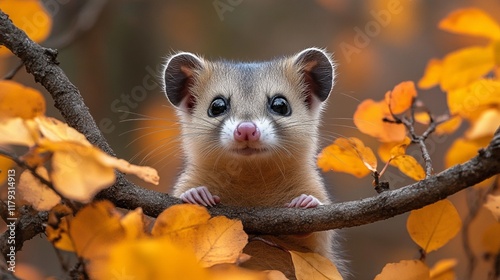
x: 113, y: 51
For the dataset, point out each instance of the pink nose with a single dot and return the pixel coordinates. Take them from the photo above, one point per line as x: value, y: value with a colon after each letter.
x: 246, y: 131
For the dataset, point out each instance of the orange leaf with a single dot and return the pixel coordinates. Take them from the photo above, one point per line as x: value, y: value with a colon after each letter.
x: 133, y: 224
x: 465, y: 66
x: 16, y: 131
x: 59, y: 236
x: 17, y: 100
x: 178, y: 218
x: 147, y: 258
x: 490, y: 240
x: 348, y: 155
x: 486, y: 125
x: 493, y: 204
x: 231, y: 272
x: 470, y: 101
x: 55, y: 130
x: 30, y: 16
x: 407, y: 269
x: 432, y: 74
x: 368, y: 118
x: 400, y: 98
x: 37, y: 194
x: 462, y: 150
x: 95, y: 229
x: 409, y: 166
x: 471, y: 21
x: 313, y: 266
x: 434, y: 225
x: 449, y: 126
x: 444, y: 270
x: 5, y: 165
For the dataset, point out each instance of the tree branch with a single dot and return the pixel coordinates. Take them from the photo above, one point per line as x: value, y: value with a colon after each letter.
x: 41, y: 63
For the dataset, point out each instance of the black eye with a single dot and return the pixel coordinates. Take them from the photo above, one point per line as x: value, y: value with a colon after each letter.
x: 218, y: 107
x: 279, y: 105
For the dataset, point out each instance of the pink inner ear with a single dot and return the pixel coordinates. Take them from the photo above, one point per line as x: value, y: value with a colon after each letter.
x: 311, y: 87
x: 189, y: 101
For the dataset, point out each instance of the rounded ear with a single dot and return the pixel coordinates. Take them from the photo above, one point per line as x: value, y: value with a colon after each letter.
x: 318, y: 71
x: 178, y: 76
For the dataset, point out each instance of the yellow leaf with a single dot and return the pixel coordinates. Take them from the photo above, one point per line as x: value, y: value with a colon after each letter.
x: 313, y: 266
x: 233, y: 272
x: 30, y: 16
x: 463, y: 150
x: 400, y: 149
x: 486, y: 125
x: 434, y: 225
x: 214, y: 241
x: 407, y: 270
x: 471, y: 21
x: 95, y: 229
x: 57, y: 227
x: 409, y: 166
x: 462, y: 67
x: 55, y: 130
x: 17, y: 100
x: 40, y: 196
x: 16, y: 131
x: 348, y: 155
x: 368, y: 118
x: 400, y: 98
x: 59, y: 236
x: 5, y: 165
x: 444, y: 270
x: 146, y: 259
x: 432, y: 74
x: 146, y: 173
x: 180, y: 217
x: 493, y: 204
x: 490, y: 240
x: 449, y: 126
x: 470, y: 101
x: 78, y: 172
x: 384, y: 150
x: 133, y: 224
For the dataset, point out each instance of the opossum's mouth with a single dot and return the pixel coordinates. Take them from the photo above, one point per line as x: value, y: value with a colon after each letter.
x: 248, y: 151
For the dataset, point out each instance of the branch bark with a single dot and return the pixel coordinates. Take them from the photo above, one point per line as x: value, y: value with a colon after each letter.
x: 41, y: 63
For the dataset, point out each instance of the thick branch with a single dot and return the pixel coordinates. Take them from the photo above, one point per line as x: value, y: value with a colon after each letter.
x: 40, y: 62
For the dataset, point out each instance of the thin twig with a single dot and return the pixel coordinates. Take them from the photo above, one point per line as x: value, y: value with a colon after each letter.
x: 13, y: 71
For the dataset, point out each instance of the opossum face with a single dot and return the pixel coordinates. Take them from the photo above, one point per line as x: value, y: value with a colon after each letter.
x: 249, y: 110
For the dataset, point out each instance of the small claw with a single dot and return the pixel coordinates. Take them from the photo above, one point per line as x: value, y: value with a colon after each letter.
x: 304, y: 201
x: 200, y: 196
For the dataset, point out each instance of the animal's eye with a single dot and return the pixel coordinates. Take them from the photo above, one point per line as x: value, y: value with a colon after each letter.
x: 218, y: 107
x: 279, y: 105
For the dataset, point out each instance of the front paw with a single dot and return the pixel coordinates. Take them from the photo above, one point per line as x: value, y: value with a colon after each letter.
x: 200, y: 196
x: 304, y: 201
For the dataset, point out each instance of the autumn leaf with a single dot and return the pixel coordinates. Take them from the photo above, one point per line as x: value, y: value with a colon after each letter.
x: 408, y: 269
x: 369, y: 117
x: 432, y: 74
x: 493, y: 204
x: 37, y: 194
x: 95, y: 229
x: 490, y: 241
x: 348, y: 155
x: 230, y: 272
x: 55, y: 130
x: 313, y: 266
x: 409, y: 166
x: 16, y: 131
x: 17, y: 100
x: 133, y: 224
x: 214, y: 240
x: 30, y: 16
x: 471, y: 21
x: 469, y: 102
x: 463, y: 150
x: 57, y: 228
x: 444, y: 270
x: 434, y: 225
x: 401, y: 97
x: 147, y: 258
x: 486, y: 124
x: 5, y: 165
x: 447, y: 127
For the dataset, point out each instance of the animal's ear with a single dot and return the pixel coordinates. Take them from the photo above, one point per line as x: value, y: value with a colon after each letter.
x: 318, y: 72
x: 178, y: 76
